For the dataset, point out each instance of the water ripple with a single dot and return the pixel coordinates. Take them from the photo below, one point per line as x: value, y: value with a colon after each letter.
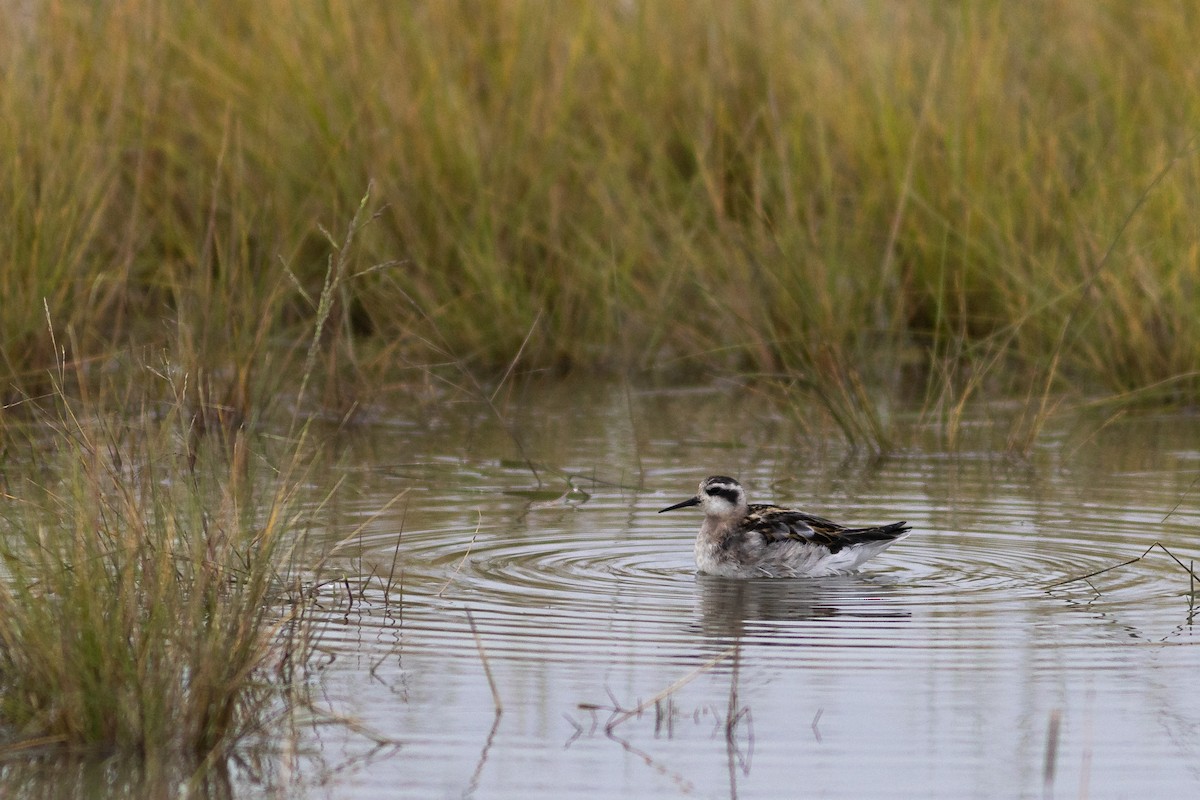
x: 569, y: 580
x: 944, y: 660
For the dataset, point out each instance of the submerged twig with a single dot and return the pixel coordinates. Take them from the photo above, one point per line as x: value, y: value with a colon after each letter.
x: 577, y: 732
x: 473, y: 783
x: 1189, y: 570
x: 1192, y: 593
x: 463, y: 560
x: 734, y: 711
x: 623, y: 716
x: 733, y: 715
x: 1097, y: 572
x: 1050, y: 765
x: 387, y: 591
x: 487, y: 669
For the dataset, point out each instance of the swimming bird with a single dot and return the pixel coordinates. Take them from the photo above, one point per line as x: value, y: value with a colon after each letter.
x: 742, y: 540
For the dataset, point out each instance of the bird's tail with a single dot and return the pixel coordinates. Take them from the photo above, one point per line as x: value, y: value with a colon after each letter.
x: 882, y: 533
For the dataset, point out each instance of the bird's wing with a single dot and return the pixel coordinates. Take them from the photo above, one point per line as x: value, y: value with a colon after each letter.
x: 783, y: 524
x: 778, y: 525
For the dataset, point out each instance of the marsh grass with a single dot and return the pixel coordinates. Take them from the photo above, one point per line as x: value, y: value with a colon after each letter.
x: 152, y: 559
x: 923, y: 191
x: 140, y: 608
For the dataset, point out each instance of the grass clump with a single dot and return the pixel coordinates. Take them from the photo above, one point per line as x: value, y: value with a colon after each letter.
x: 141, y: 601
x: 152, y: 554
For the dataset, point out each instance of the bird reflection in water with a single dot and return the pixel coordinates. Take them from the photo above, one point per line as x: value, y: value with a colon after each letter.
x: 771, y: 608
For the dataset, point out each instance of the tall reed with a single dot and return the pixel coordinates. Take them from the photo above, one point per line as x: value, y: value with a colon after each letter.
x: 923, y: 190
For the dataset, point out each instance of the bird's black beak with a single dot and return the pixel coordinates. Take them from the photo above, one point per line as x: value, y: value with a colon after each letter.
x: 691, y: 501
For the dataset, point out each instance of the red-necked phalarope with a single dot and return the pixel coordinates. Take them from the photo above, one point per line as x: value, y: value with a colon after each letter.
x: 740, y: 540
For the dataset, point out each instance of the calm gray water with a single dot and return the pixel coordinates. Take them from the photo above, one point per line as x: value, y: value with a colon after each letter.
x: 946, y: 669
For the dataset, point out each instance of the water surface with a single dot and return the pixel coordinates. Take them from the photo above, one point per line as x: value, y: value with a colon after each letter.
x: 947, y: 668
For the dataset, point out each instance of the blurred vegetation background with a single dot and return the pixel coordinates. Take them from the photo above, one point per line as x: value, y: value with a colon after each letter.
x: 928, y: 200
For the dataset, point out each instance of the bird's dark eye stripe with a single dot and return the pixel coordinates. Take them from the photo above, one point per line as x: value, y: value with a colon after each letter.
x: 722, y: 491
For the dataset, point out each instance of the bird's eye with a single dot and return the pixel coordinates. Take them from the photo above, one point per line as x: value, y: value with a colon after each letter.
x: 712, y: 491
